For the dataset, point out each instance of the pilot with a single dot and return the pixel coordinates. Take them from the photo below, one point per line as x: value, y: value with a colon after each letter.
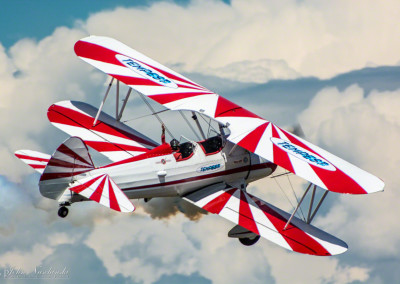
x: 175, y: 148
x: 163, y: 134
x: 174, y: 145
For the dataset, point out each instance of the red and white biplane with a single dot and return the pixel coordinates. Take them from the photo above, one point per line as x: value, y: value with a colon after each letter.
x: 212, y: 174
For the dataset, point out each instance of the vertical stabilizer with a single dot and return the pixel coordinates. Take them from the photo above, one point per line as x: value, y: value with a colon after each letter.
x: 70, y: 160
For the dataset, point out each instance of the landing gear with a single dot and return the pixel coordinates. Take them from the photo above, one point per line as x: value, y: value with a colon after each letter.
x: 63, y: 212
x: 249, y: 241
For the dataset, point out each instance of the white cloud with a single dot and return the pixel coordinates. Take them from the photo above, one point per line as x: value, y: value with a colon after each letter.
x: 287, y: 38
x: 260, y: 71
x: 364, y: 129
x: 25, y: 260
x: 311, y: 37
x: 47, y: 71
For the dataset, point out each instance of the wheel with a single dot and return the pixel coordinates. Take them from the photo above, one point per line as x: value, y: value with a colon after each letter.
x: 63, y: 212
x: 248, y: 241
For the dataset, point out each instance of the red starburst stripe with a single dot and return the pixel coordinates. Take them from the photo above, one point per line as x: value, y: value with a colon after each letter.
x: 96, y: 52
x: 96, y: 196
x: 297, y: 239
x: 227, y: 108
x: 37, y: 166
x: 336, y: 181
x: 246, y: 219
x: 65, y: 164
x: 25, y: 157
x: 135, y: 81
x: 281, y: 157
x: 81, y: 187
x: 250, y: 141
x: 216, y: 205
x: 48, y: 176
x: 67, y: 116
x: 112, y: 147
x: 99, y: 53
x: 167, y: 98
x: 67, y: 151
x: 113, y: 200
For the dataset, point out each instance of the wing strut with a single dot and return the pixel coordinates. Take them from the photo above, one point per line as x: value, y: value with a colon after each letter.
x: 298, y: 206
x: 124, y: 104
x: 309, y: 219
x: 104, y: 100
x: 311, y: 214
x: 118, y: 113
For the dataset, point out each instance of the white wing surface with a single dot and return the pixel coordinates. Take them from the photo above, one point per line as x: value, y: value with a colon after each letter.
x: 266, y: 220
x: 248, y: 130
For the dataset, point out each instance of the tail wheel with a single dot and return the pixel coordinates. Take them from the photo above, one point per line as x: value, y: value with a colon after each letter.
x: 249, y: 241
x: 63, y: 212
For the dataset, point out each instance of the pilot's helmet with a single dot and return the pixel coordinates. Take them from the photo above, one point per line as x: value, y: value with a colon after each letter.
x: 174, y: 144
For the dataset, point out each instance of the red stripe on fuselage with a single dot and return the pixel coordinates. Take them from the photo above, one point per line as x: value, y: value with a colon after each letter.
x: 222, y: 173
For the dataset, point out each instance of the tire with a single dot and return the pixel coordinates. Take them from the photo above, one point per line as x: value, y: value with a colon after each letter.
x: 63, y: 212
x: 248, y: 241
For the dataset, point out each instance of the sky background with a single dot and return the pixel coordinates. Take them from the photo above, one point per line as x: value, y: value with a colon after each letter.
x: 332, y: 67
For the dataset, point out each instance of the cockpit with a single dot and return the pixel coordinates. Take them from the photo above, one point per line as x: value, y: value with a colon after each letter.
x: 211, y: 145
x: 184, y: 151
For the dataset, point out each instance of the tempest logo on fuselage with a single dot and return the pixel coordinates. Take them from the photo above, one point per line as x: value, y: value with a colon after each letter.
x: 209, y: 168
x: 145, y: 71
x: 303, y: 154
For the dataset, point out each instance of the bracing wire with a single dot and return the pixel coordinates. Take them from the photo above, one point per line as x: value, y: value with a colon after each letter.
x: 209, y: 124
x: 156, y: 115
x: 191, y: 127
x: 295, y: 195
x: 208, y: 130
x: 146, y: 115
x: 284, y: 193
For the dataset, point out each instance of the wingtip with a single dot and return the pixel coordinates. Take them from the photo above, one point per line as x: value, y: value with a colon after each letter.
x: 128, y: 209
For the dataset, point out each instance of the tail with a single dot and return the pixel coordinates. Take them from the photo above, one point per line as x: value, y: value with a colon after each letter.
x: 34, y: 159
x: 69, y: 162
x: 70, y: 170
x: 110, y: 137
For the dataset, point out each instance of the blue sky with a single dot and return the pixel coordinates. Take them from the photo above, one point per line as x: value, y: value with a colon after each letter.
x: 332, y: 67
x: 33, y: 19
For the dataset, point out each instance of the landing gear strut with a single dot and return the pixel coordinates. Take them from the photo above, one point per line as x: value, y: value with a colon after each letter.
x: 63, y: 212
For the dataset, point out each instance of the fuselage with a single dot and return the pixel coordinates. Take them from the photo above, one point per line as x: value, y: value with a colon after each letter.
x: 160, y: 173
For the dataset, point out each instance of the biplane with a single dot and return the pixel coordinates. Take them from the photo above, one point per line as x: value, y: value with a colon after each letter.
x: 212, y: 174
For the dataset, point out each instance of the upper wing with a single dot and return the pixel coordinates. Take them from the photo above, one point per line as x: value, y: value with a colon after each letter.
x: 247, y: 129
x: 266, y: 220
x: 110, y: 137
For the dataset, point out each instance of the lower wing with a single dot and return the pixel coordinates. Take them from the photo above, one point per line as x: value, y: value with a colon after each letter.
x: 266, y: 220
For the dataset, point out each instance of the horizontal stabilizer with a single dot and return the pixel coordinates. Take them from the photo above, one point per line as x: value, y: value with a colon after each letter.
x: 110, y: 137
x: 266, y: 220
x: 36, y: 160
x: 102, y: 189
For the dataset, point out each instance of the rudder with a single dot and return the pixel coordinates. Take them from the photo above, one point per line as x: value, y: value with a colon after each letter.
x: 70, y: 160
